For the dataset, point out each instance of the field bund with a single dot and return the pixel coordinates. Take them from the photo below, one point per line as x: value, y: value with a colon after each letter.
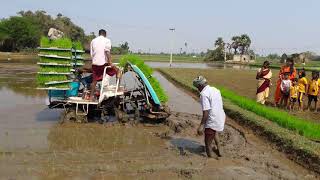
x: 296, y: 147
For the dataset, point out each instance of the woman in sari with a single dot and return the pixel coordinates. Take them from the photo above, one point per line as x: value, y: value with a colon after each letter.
x: 264, y: 75
x: 287, y: 68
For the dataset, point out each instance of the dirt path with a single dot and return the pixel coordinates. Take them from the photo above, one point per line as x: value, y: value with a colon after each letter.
x: 34, y: 146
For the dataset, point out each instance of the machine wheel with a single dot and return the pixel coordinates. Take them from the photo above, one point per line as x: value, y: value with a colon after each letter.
x: 119, y: 115
x: 81, y: 119
x: 167, y: 110
x: 68, y: 116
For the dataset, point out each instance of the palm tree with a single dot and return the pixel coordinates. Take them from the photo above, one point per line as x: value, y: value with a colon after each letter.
x: 245, y: 43
x: 219, y: 43
x: 235, y: 43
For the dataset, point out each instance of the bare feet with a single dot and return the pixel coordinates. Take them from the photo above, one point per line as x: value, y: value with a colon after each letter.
x: 217, y: 151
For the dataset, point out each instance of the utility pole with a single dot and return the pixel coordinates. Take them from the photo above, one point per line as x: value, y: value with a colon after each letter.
x: 172, y: 30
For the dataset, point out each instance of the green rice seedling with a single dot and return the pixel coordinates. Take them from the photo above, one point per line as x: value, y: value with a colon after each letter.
x: 56, y: 52
x: 147, y: 71
x: 43, y: 78
x: 62, y: 85
x: 163, y: 97
x: 54, y: 60
x: 59, y: 43
x: 306, y: 128
x: 64, y: 43
x: 58, y: 61
x: 61, y: 69
x: 59, y: 52
x: 77, y: 45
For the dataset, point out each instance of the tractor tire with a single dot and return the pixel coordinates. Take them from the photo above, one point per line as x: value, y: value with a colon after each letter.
x: 81, y: 119
x: 119, y: 115
x: 68, y: 116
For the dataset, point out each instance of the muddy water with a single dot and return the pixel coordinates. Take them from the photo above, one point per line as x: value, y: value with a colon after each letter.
x: 24, y: 120
x: 178, y: 100
x: 200, y: 65
x: 33, y: 146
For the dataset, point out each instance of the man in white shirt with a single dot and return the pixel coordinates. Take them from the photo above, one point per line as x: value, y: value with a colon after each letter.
x: 100, y: 51
x: 213, y: 117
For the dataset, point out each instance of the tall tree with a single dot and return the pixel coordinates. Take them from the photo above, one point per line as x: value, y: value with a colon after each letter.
x: 235, y: 43
x: 219, y: 43
x: 218, y: 53
x: 19, y: 33
x: 245, y: 43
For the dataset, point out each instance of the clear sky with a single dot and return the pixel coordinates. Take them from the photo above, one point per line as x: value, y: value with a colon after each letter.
x: 273, y: 25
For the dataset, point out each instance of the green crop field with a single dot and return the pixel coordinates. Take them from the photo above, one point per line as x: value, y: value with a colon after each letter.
x: 311, y: 65
x: 157, y: 58
x: 166, y: 58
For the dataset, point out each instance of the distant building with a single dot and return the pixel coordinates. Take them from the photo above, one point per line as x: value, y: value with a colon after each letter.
x: 238, y: 58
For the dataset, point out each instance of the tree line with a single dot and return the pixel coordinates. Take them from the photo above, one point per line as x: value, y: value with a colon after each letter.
x: 23, y: 31
x: 238, y: 45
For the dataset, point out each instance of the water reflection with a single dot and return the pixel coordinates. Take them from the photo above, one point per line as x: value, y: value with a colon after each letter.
x: 200, y: 65
x: 20, y: 79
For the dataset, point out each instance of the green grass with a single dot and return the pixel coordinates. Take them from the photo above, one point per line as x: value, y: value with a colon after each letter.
x: 282, y: 118
x: 147, y: 71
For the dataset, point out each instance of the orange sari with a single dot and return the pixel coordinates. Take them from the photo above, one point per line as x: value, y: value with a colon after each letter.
x: 284, y: 69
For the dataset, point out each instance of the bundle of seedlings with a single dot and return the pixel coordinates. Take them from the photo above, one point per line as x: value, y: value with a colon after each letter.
x: 147, y: 71
x: 57, y: 60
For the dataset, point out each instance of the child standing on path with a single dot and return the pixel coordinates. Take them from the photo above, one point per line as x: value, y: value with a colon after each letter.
x: 303, y: 86
x: 313, y: 90
x: 294, y: 89
x: 285, y: 90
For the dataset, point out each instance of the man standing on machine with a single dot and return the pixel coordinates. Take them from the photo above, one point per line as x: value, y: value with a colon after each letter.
x: 100, y: 51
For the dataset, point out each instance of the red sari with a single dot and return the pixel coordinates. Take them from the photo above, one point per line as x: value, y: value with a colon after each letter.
x: 283, y: 70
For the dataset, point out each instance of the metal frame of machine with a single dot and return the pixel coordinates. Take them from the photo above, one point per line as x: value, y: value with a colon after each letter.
x: 134, y: 104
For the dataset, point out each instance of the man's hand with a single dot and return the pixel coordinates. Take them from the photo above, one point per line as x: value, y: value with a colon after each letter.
x: 200, y: 130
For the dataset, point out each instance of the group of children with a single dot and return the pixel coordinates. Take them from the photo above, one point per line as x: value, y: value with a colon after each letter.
x: 294, y: 91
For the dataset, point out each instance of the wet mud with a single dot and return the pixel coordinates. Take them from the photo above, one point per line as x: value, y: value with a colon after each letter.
x: 34, y: 146
x: 171, y: 150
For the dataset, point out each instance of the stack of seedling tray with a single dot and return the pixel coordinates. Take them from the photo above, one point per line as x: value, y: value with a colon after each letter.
x: 58, y: 60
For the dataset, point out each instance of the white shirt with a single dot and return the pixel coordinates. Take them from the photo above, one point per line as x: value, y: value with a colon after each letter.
x: 98, y: 47
x: 285, y: 85
x: 211, y: 100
